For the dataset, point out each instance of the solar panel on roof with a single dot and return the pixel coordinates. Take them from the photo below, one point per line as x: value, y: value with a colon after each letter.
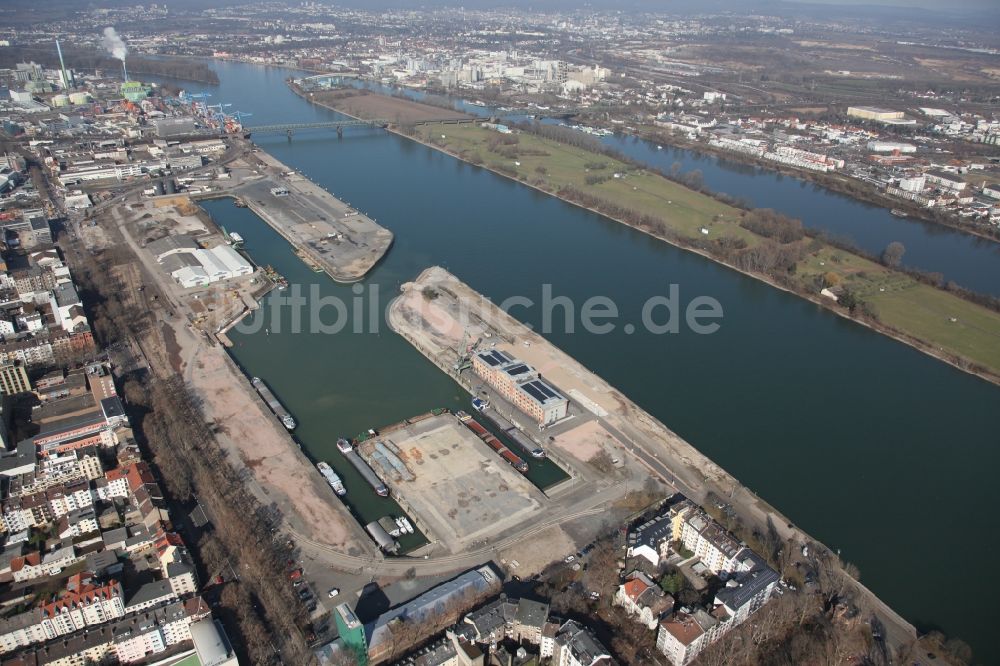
x: 534, y: 392
x: 493, y: 358
x: 549, y: 393
x: 518, y: 369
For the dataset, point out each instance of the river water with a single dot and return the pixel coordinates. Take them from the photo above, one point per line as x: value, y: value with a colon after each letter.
x: 870, y: 446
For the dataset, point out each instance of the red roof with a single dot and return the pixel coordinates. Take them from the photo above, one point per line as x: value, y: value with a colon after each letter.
x: 82, y: 597
x: 31, y: 559
x: 635, y: 587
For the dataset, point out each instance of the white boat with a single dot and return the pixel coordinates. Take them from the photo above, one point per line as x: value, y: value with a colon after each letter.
x: 405, y: 524
x: 332, y: 478
x: 344, y: 445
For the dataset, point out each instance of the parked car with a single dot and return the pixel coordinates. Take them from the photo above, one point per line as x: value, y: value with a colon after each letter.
x: 333, y: 593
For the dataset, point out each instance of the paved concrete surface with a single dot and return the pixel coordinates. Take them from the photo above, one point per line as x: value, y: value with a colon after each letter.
x: 462, y: 492
x: 328, y: 233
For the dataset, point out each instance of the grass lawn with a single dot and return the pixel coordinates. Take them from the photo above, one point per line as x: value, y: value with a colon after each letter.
x: 901, y: 302
x: 684, y: 210
x: 915, y: 308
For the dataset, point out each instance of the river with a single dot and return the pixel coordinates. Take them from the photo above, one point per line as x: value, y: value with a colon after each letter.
x: 969, y: 260
x: 869, y: 445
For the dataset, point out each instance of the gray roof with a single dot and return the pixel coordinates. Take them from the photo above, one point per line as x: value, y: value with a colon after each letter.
x: 62, y: 407
x: 65, y: 294
x: 429, y: 603
x: 651, y: 533
x: 24, y: 454
x: 488, y: 618
x: 179, y: 260
x: 532, y: 613
x: 150, y: 592
x: 745, y: 585
x: 171, y: 244
x: 112, y: 407
x: 210, y: 642
x: 582, y: 645
x: 101, y: 560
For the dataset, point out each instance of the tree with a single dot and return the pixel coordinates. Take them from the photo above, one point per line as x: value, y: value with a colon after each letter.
x: 893, y: 254
x: 673, y: 583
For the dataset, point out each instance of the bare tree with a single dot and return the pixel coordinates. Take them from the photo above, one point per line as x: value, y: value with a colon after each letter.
x: 893, y: 253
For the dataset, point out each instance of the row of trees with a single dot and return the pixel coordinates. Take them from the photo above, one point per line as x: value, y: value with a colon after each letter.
x: 264, y: 614
x: 79, y: 59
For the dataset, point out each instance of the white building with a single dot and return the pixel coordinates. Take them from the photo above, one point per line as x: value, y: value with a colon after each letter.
x: 641, y: 597
x: 574, y: 645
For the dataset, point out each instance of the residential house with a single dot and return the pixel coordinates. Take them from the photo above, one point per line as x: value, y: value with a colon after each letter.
x: 644, y: 599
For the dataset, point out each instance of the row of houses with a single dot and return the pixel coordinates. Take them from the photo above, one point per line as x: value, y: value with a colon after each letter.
x: 42, y: 319
x: 683, y: 632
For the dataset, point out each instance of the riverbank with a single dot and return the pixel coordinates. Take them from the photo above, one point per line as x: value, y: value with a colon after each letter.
x: 430, y: 313
x: 938, y: 323
x: 834, y: 182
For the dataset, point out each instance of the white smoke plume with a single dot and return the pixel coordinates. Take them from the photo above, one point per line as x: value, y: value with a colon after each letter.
x: 114, y: 44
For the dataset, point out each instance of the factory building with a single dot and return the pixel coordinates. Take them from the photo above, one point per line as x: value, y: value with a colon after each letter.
x: 373, y: 642
x: 873, y: 113
x: 521, y: 384
x: 891, y: 147
x: 192, y: 266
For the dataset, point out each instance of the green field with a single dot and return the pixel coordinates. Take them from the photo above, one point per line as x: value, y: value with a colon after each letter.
x: 645, y: 192
x: 938, y: 318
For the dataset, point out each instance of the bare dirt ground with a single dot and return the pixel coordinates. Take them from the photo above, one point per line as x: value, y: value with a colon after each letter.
x: 587, y: 440
x: 533, y: 555
x: 364, y: 104
x: 279, y: 467
x: 247, y: 429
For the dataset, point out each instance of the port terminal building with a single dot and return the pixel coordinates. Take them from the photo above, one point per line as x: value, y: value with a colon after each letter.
x: 521, y: 384
x: 191, y: 266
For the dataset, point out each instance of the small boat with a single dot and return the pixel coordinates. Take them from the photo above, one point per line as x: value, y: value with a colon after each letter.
x: 899, y: 213
x: 405, y: 524
x: 239, y: 203
x: 479, y: 405
x: 538, y: 453
x: 332, y: 478
x: 344, y: 445
x: 400, y: 525
x: 288, y: 422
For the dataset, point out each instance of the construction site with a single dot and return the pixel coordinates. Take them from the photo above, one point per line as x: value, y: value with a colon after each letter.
x: 458, y: 491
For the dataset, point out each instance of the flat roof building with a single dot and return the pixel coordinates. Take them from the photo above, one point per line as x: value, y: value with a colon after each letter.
x: 874, y: 113
x: 14, y: 379
x: 212, y: 644
x: 521, y: 384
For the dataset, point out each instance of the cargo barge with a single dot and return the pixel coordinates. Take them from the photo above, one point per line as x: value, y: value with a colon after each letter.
x: 492, y: 442
x: 508, y: 428
x: 332, y: 478
x: 364, y: 470
x: 272, y: 402
x: 381, y: 537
